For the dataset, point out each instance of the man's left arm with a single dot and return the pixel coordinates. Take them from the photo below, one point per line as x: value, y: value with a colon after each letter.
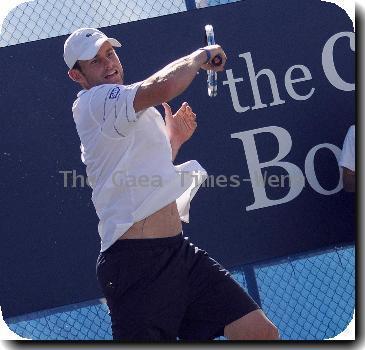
x: 179, y: 126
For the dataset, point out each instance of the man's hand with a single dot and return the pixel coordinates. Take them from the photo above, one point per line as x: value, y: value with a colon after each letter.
x: 180, y: 126
x: 214, y: 50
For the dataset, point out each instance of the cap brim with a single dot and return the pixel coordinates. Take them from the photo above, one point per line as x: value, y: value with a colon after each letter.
x: 92, y: 51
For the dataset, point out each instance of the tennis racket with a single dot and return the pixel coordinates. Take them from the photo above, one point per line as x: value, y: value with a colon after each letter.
x: 216, y: 61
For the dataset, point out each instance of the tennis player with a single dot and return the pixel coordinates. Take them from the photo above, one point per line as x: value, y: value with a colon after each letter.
x: 158, y: 285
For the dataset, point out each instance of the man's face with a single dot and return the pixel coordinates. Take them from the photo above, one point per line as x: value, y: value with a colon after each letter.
x: 104, y: 68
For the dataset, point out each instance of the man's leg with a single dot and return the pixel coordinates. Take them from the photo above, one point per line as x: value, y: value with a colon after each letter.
x: 217, y: 304
x: 253, y: 326
x: 144, y: 288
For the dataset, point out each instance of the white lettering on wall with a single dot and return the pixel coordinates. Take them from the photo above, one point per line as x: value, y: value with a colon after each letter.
x: 295, y: 175
x: 255, y: 88
x: 254, y: 166
x: 328, y: 63
x: 311, y: 174
x: 289, y: 81
x: 329, y: 69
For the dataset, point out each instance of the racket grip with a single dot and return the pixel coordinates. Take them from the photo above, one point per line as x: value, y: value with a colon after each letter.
x: 217, y: 61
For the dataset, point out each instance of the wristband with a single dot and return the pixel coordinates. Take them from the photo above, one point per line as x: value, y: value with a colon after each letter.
x: 207, y: 53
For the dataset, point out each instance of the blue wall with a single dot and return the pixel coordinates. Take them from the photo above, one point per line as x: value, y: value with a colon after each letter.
x: 49, y: 232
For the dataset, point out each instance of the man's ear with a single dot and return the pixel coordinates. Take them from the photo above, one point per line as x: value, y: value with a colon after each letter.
x: 75, y: 75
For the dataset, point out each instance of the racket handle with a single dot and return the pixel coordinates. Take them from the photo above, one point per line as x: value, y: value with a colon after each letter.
x: 217, y: 60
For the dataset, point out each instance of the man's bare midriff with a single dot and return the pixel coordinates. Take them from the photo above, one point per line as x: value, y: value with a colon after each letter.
x: 163, y: 223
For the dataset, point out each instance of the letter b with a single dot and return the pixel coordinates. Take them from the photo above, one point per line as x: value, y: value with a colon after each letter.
x: 296, y: 176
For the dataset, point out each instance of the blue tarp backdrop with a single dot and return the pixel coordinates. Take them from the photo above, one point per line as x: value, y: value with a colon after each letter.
x: 269, y: 142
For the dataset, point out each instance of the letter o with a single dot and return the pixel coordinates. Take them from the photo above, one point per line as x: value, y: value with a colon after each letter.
x: 310, y: 172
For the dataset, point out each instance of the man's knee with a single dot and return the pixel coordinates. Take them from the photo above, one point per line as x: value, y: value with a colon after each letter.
x: 253, y: 326
x: 270, y: 332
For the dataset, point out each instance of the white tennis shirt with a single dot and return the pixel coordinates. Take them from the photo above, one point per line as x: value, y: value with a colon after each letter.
x: 128, y: 160
x: 347, y: 158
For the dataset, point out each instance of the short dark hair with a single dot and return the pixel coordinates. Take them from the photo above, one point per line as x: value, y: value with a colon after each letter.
x: 77, y: 66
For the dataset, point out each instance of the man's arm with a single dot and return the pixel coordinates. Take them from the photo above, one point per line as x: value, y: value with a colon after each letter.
x: 347, y: 160
x: 349, y: 180
x: 175, y: 149
x: 179, y: 126
x: 173, y: 79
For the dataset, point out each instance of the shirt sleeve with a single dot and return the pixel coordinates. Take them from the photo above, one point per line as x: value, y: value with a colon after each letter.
x: 347, y: 158
x: 111, y: 106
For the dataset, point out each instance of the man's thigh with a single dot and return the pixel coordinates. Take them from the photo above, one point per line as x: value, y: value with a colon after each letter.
x: 145, y: 289
x: 215, y: 298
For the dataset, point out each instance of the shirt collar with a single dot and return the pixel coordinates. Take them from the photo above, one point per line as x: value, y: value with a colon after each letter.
x: 81, y: 92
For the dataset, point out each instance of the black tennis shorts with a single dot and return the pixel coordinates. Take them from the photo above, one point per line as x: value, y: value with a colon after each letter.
x: 164, y: 289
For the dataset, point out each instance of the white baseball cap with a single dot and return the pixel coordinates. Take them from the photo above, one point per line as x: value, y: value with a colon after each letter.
x: 84, y: 44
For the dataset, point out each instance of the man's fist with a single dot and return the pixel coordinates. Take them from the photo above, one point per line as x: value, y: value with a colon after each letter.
x: 213, y: 51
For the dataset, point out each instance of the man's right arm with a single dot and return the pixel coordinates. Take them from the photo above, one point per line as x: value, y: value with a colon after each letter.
x: 173, y: 79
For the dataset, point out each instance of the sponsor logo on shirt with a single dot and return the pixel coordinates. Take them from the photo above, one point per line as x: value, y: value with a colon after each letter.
x: 114, y: 93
